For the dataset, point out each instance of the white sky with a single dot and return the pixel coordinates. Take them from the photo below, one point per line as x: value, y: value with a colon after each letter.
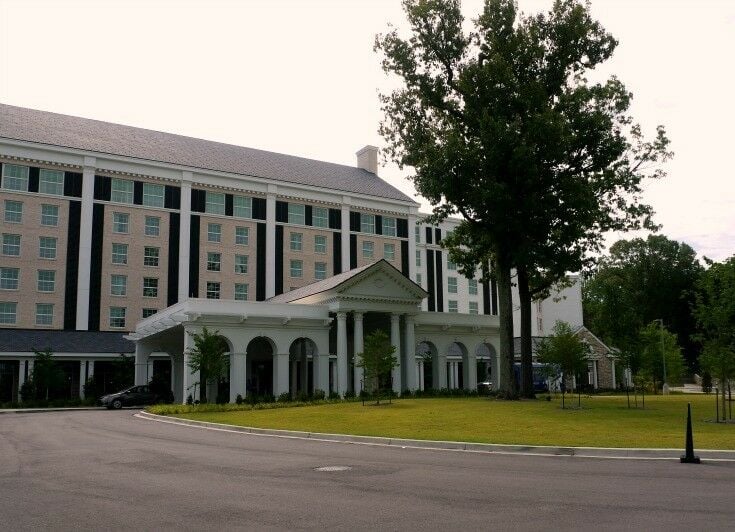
x: 300, y: 77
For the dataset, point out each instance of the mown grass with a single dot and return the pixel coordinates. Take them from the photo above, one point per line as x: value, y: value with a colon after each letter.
x: 603, y: 421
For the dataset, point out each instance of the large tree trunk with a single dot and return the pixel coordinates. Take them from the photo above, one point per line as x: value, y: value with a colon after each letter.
x: 507, y: 382
x: 524, y: 294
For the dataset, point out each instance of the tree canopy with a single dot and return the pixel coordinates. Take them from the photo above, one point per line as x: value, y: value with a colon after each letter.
x: 377, y: 360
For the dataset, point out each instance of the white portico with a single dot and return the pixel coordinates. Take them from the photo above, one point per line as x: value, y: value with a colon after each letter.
x: 310, y: 338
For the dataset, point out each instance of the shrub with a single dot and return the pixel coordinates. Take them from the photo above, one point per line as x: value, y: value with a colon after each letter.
x: 334, y: 396
x: 318, y: 395
x: 189, y: 400
x: 285, y: 397
x: 238, y: 399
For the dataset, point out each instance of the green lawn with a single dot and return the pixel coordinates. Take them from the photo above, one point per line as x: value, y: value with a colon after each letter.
x: 603, y: 421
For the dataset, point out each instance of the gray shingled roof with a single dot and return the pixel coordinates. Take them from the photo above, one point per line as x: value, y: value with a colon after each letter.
x: 25, y: 341
x: 318, y: 287
x: 103, y: 137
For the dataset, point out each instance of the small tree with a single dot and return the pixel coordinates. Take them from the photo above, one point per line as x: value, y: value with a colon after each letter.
x: 206, y: 358
x: 658, y: 344
x: 565, y: 351
x: 47, y: 375
x: 377, y: 360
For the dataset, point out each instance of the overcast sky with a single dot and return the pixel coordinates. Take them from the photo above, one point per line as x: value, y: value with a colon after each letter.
x: 300, y: 77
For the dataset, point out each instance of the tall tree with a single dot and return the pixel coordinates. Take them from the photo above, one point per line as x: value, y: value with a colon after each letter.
x: 501, y: 126
x: 377, y: 360
x: 661, y: 356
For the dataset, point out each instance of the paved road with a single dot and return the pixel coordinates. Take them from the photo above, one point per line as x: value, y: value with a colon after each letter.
x: 112, y: 471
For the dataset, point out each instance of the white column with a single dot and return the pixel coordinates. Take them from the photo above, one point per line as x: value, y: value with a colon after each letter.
x: 177, y: 378
x: 470, y: 372
x: 440, y: 372
x: 395, y: 340
x: 237, y: 376
x: 594, y: 373
x: 412, y: 247
x: 333, y: 369
x: 358, y: 347
x: 188, y: 378
x: 294, y: 377
x: 142, y: 355
x: 82, y: 377
x: 612, y: 367
x: 321, y: 372
x: 90, y: 369
x: 185, y: 235
x: 455, y: 374
x: 21, y: 376
x: 342, y: 369
x: 420, y: 379
x: 412, y: 381
x: 280, y: 373
x: 346, y: 200
x: 85, y: 243
x: 270, y: 241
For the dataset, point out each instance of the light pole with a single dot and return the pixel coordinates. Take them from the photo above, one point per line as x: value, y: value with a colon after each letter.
x: 665, y: 386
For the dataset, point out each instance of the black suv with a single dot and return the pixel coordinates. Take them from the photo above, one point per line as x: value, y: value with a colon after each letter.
x: 137, y: 396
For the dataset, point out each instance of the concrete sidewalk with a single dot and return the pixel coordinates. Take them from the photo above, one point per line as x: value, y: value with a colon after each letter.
x: 533, y: 450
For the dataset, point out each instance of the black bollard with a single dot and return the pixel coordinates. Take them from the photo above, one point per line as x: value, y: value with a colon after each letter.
x: 689, y: 457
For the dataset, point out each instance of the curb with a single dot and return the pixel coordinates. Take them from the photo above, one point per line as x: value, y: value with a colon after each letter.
x: 614, y: 453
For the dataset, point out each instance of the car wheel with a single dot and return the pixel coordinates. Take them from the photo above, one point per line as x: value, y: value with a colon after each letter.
x: 117, y: 404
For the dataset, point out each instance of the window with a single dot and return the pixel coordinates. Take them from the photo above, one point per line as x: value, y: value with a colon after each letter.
x: 320, y: 244
x: 417, y: 232
x: 473, y: 307
x: 215, y: 203
x: 119, y: 253
x: 418, y: 279
x: 451, y: 266
x: 118, y: 285
x: 389, y: 251
x: 148, y: 312
x: 152, y: 226
x: 452, y: 306
x: 214, y: 233
x: 241, y: 291
x: 472, y: 286
x: 150, y: 256
x: 242, y: 207
x: 389, y: 226
x: 9, y: 278
x: 367, y: 223
x: 117, y: 317
x: 297, y: 268
x: 120, y: 222
x: 242, y: 236
x: 320, y: 270
x: 121, y: 191
x: 13, y: 211
x: 46, y: 280
x: 15, y: 177
x: 214, y: 261
x: 418, y: 258
x: 241, y: 264
x: 153, y: 195
x: 8, y: 312
x: 11, y: 245
x: 367, y: 249
x: 44, y: 314
x: 213, y: 290
x: 320, y: 217
x: 452, y: 285
x: 50, y: 215
x: 297, y: 242
x: 47, y: 247
x: 150, y: 287
x: 296, y: 213
x: 51, y: 182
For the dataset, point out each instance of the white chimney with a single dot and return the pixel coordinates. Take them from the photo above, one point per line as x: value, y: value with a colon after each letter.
x: 367, y: 159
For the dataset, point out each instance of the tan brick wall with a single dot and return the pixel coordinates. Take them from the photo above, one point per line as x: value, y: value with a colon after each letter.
x: 29, y: 262
x: 378, y: 250
x: 307, y: 255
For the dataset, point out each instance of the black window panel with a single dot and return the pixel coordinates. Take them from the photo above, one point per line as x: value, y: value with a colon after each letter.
x: 194, y: 235
x: 486, y: 298
x: 174, y: 229
x: 1, y: 175
x: 402, y: 228
x: 429, y: 235
x: 260, y: 262
x: 438, y: 235
x: 307, y: 215
x: 172, y: 197
x: 279, y: 259
x: 95, y: 273
x: 337, y: 252
x: 228, y: 205
x: 73, y: 184
x: 353, y: 252
x: 430, y: 279
x: 404, y: 257
x: 378, y: 224
x: 439, y: 283
x: 259, y: 208
x: 72, y: 265
x: 494, y: 296
x: 33, y: 179
x: 282, y: 212
x: 138, y: 192
x: 198, y: 200
x: 335, y: 219
x: 354, y: 221
x: 102, y: 188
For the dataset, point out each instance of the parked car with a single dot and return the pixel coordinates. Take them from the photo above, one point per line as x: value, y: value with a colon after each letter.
x: 135, y: 396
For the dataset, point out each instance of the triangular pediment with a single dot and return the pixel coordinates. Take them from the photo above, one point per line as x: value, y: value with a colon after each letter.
x: 383, y: 281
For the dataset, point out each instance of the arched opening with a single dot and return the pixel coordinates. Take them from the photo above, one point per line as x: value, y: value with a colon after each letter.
x: 426, y: 354
x: 260, y: 367
x: 302, y: 355
x: 486, y: 358
x: 456, y: 364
